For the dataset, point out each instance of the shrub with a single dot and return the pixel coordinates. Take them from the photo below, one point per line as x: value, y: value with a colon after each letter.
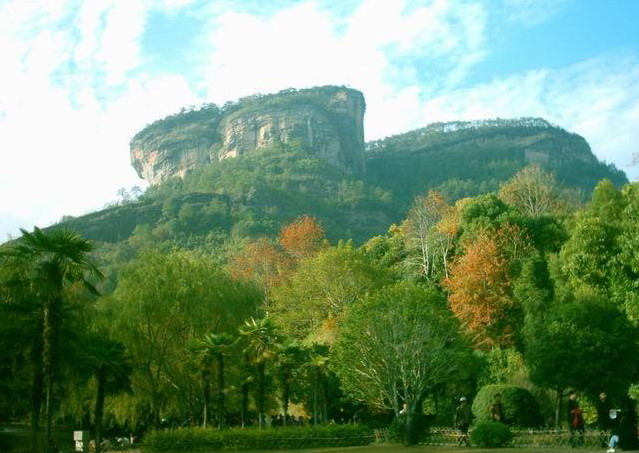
x: 520, y: 406
x: 491, y: 434
x: 210, y: 439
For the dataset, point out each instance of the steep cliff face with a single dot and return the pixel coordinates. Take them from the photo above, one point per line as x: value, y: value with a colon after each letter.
x: 176, y: 144
x: 326, y: 121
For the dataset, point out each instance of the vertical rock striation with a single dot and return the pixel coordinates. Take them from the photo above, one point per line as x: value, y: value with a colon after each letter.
x: 325, y: 121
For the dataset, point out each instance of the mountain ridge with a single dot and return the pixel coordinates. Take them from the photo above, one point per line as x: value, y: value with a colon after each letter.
x: 265, y: 187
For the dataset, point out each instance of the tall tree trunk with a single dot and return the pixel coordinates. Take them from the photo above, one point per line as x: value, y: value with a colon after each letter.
x: 409, y: 427
x: 206, y: 394
x: 99, y: 406
x: 261, y: 390
x: 47, y: 365
x: 245, y: 403
x: 324, y: 382
x: 413, y: 416
x: 286, y: 392
x: 36, y: 403
x: 315, y: 387
x: 154, y: 406
x: 221, y: 418
x: 558, y: 409
x: 245, y: 393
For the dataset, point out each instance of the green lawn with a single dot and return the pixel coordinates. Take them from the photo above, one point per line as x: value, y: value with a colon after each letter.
x: 386, y: 448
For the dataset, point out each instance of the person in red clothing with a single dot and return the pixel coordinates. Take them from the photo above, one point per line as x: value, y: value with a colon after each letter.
x: 575, y: 421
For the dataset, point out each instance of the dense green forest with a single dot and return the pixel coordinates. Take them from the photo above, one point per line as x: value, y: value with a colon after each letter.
x: 518, y: 287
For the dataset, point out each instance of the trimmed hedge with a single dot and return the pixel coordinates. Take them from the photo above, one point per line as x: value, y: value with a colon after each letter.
x: 209, y: 439
x: 491, y: 434
x: 520, y: 406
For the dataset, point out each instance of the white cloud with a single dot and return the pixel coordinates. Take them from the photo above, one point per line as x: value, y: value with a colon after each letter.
x: 383, y: 50
x: 70, y: 106
x: 530, y: 13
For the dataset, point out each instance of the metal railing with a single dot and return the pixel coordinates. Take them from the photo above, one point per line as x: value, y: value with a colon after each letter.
x: 537, y: 438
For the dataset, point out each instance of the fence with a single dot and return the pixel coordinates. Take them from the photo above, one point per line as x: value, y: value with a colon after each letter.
x: 538, y: 438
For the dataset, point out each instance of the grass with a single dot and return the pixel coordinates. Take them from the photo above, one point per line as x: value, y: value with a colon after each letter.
x: 397, y: 448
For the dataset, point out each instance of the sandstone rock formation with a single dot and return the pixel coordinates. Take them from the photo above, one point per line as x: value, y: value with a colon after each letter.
x: 326, y: 121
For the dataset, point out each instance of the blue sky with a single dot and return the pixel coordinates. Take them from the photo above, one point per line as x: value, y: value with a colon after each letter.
x: 80, y: 78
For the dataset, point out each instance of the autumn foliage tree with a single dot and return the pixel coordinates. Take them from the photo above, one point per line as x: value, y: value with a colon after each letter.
x: 262, y: 263
x: 302, y: 237
x: 481, y: 294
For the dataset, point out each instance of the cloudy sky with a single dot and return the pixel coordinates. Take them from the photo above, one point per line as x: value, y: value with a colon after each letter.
x: 79, y: 78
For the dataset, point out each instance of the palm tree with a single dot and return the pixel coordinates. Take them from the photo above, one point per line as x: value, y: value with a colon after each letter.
x: 112, y: 369
x: 261, y: 340
x: 203, y: 359
x: 289, y: 356
x: 318, y: 366
x: 22, y: 331
x: 215, y: 346
x: 48, y: 263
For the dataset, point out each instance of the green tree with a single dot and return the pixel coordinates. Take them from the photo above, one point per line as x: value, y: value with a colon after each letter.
x: 396, y: 345
x: 322, y: 287
x: 588, y: 256
x: 585, y: 344
x: 533, y: 191
x: 112, y: 368
x: 48, y: 263
x: 289, y: 356
x: 261, y: 342
x: 317, y: 372
x: 627, y: 288
x: 163, y: 303
x: 215, y: 347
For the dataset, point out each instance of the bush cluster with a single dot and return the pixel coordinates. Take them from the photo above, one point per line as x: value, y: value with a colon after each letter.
x: 491, y: 434
x: 209, y: 439
x: 520, y: 406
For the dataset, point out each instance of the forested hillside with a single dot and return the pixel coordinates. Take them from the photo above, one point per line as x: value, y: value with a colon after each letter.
x: 256, y: 194
x: 468, y: 158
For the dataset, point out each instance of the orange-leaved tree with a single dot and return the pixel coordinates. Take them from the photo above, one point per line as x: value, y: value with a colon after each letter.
x: 480, y: 292
x: 263, y: 263
x: 303, y: 237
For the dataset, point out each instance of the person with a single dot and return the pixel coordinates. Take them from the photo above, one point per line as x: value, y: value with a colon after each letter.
x: 614, y: 416
x: 603, y: 412
x: 462, y: 420
x: 496, y: 410
x: 603, y: 418
x: 575, y: 421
